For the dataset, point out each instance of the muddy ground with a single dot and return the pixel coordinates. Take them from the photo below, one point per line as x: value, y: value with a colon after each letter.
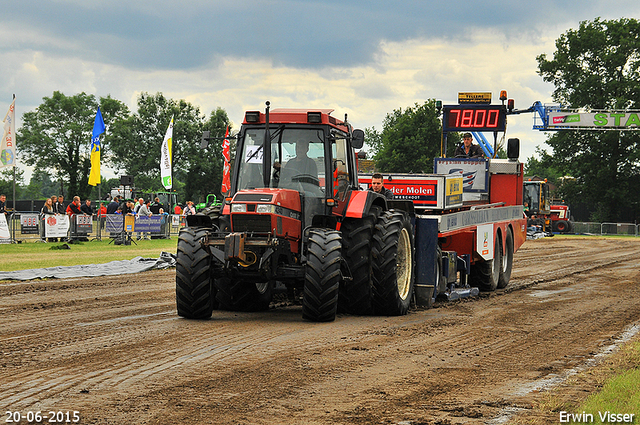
x: 114, y: 350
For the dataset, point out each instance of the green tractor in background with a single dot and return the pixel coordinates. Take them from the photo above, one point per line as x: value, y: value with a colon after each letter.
x: 211, y: 202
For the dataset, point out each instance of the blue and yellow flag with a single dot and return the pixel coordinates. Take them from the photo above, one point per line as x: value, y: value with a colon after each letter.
x: 98, y: 129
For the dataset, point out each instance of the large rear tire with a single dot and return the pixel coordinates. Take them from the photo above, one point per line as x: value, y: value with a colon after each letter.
x: 356, y: 295
x: 485, y: 274
x: 322, y: 276
x: 195, y: 293
x: 243, y: 295
x: 507, y: 261
x: 393, y: 264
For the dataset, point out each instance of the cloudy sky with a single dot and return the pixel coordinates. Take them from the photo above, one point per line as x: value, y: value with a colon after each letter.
x: 363, y: 58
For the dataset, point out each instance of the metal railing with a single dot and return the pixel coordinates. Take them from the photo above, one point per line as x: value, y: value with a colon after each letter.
x: 605, y: 229
x: 31, y: 226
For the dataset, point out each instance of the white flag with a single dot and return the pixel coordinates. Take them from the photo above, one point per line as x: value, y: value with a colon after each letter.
x: 165, y: 157
x: 8, y: 142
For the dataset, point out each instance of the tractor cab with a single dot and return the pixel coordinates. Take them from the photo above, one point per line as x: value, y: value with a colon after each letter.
x: 305, y: 151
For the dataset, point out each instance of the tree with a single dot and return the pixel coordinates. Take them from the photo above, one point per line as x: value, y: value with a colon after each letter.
x: 598, y: 67
x: 136, y: 140
x: 40, y: 186
x: 6, y: 182
x: 57, y: 136
x: 410, y: 140
x: 205, y: 165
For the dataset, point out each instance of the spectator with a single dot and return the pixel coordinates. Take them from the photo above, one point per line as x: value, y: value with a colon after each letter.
x: 189, y: 209
x: 177, y: 210
x: 156, y: 206
x: 74, y: 207
x: 127, y: 207
x: 142, y: 211
x: 59, y: 206
x: 86, y: 208
x: 47, y: 209
x: 3, y: 204
x: 102, y: 212
x: 113, y: 205
x: 138, y: 205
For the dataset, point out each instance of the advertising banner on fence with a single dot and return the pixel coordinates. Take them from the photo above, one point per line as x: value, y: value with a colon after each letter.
x: 149, y: 224
x: 29, y: 224
x: 116, y: 223
x: 5, y: 236
x: 56, y: 226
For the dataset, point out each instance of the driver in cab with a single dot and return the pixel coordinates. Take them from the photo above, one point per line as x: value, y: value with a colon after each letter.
x: 301, y: 165
x: 467, y: 149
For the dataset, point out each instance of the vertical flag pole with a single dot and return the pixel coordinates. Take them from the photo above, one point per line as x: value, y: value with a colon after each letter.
x: 14, y: 161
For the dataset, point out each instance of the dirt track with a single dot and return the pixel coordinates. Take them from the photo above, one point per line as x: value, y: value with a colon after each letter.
x: 114, y: 349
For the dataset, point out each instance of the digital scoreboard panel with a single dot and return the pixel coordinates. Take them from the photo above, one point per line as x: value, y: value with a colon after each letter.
x: 474, y: 118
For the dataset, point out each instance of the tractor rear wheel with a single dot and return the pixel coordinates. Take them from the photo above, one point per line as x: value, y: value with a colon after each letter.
x: 507, y: 261
x: 485, y: 274
x: 393, y: 264
x: 322, y: 275
x: 356, y: 294
x: 195, y: 292
x: 243, y: 295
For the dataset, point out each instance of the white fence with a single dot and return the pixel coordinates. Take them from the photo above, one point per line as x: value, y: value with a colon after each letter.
x: 583, y: 228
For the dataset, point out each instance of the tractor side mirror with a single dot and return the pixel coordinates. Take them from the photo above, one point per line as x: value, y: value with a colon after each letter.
x: 357, y: 139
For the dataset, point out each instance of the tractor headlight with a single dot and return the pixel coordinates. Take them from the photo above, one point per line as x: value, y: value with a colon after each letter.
x: 266, y: 209
x: 237, y: 208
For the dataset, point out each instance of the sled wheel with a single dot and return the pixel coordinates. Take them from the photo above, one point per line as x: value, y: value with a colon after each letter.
x: 507, y: 261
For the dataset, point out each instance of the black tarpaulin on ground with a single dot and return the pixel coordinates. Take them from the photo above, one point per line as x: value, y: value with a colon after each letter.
x: 135, y: 265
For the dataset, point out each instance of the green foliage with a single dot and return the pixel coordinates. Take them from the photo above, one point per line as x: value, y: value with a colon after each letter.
x: 136, y: 140
x: 6, y: 182
x: 205, y: 165
x: 598, y: 67
x: 409, y: 140
x: 621, y: 393
x: 57, y: 136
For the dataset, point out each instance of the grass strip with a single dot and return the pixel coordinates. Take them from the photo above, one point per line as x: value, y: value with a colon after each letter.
x: 40, y: 255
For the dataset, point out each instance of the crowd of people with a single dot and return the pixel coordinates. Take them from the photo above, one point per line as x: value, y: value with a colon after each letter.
x: 118, y: 205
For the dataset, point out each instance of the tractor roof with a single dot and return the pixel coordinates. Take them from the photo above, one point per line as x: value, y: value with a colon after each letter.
x: 294, y: 116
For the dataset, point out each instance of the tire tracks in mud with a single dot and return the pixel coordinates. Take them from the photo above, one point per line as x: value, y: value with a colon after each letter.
x: 113, y: 346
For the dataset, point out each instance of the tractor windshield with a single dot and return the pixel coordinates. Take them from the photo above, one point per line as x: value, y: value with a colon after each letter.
x: 532, y: 197
x: 297, y: 160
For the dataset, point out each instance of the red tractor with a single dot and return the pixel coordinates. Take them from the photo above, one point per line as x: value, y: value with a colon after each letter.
x: 296, y: 217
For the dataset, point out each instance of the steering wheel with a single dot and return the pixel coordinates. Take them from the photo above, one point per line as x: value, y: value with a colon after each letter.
x: 306, y: 178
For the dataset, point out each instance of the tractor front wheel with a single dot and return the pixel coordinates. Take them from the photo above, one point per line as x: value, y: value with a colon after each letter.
x: 195, y: 293
x: 322, y: 276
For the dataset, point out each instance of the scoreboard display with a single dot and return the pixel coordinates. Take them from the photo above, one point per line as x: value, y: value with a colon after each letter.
x: 474, y: 118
